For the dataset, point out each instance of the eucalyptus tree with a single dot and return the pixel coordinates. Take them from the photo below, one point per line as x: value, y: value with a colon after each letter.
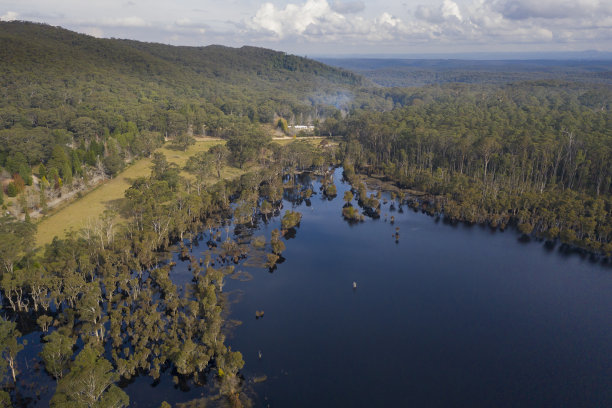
x: 219, y: 154
x: 348, y: 196
x: 57, y: 353
x: 278, y: 246
x: 200, y: 164
x: 16, y: 242
x: 90, y: 383
x: 9, y: 348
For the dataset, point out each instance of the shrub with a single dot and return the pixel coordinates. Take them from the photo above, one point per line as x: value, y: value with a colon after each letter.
x: 351, y: 214
x: 290, y: 219
x: 282, y: 125
x: 278, y: 246
x: 266, y: 207
x: 12, y: 190
x: 259, y: 242
x: 330, y: 190
x: 19, y: 183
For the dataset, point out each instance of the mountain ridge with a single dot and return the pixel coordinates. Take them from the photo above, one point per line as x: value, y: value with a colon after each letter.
x: 39, y: 52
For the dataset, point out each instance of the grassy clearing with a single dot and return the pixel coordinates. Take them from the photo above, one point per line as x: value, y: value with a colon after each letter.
x: 313, y: 140
x: 180, y: 157
x: 75, y: 214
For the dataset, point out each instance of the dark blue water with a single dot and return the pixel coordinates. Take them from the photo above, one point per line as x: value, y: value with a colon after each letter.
x: 448, y: 316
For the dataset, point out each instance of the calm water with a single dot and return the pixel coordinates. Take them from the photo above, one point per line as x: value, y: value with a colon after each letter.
x: 449, y: 316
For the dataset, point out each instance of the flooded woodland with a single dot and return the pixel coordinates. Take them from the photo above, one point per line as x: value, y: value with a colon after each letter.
x: 401, y: 308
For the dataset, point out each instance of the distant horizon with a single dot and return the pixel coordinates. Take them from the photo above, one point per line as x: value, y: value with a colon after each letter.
x: 587, y: 55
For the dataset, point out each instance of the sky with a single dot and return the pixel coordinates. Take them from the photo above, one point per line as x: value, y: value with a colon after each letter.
x: 338, y: 27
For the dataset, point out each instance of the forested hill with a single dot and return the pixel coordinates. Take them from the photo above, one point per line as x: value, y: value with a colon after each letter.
x: 43, y: 66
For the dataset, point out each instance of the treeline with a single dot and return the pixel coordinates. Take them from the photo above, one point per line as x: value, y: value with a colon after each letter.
x: 534, y: 154
x: 421, y: 72
x: 103, y: 296
x: 494, y: 74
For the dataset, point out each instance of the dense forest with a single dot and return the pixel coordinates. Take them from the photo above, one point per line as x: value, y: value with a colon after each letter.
x: 392, y: 72
x: 75, y: 108
x: 533, y: 153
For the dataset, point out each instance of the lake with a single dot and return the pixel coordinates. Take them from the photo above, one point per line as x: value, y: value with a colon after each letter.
x: 443, y: 316
x: 447, y: 316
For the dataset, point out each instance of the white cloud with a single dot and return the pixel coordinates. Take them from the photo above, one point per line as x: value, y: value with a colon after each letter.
x: 125, y: 22
x: 317, y: 20
x: 388, y: 20
x: 546, y: 21
x: 294, y: 19
x: 551, y: 9
x: 498, y: 23
x: 449, y: 24
x: 9, y: 16
x: 448, y: 10
x: 183, y: 22
x: 187, y: 23
x: 348, y: 7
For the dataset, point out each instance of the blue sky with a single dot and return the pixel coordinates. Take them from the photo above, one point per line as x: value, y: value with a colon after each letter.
x: 336, y: 27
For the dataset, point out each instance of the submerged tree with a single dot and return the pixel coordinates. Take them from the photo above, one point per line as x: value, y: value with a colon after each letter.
x: 348, y: 196
x: 9, y: 347
x: 290, y: 219
x: 56, y: 353
x: 89, y: 384
x: 278, y: 246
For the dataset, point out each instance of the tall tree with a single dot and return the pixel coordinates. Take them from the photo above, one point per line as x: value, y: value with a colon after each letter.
x: 56, y: 353
x: 89, y: 384
x: 16, y: 240
x: 9, y: 347
x: 219, y: 155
